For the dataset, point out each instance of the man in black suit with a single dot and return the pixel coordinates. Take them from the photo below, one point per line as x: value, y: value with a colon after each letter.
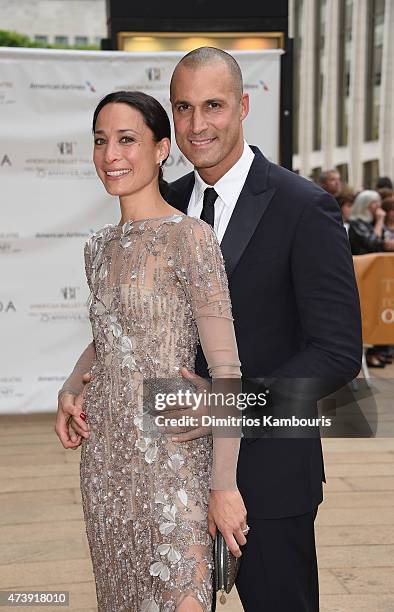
x: 295, y: 308
x: 296, y: 314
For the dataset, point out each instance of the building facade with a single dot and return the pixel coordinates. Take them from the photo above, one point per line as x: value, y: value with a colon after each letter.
x: 343, y: 88
x: 61, y: 22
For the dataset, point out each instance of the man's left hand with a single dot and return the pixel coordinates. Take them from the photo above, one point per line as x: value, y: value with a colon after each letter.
x: 227, y: 512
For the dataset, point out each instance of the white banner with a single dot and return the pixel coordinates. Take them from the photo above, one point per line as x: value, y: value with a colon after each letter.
x: 51, y: 199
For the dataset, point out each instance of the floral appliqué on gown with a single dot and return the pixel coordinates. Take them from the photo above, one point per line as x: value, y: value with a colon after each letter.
x: 157, y: 287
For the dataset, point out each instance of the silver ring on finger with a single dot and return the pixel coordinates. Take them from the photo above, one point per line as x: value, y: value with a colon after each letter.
x: 246, y: 530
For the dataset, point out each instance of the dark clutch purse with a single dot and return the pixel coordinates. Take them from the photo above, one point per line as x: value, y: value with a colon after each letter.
x: 225, y: 566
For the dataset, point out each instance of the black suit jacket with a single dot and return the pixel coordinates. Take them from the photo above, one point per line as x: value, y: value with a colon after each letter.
x: 296, y: 316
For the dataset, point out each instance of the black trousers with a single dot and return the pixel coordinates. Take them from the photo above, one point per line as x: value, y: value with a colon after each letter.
x: 278, y: 571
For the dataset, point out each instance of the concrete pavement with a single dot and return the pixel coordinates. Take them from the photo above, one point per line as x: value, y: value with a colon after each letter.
x: 43, y: 543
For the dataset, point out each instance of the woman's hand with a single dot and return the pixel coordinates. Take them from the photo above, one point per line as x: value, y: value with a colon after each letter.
x: 70, y: 425
x: 380, y: 216
x: 227, y: 512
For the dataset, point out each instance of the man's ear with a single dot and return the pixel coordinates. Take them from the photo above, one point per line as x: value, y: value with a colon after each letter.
x: 244, y: 106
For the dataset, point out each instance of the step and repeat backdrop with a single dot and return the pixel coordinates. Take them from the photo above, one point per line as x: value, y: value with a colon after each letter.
x: 51, y: 199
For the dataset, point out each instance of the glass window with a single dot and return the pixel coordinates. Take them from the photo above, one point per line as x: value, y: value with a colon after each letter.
x: 374, y: 68
x: 344, y: 50
x: 186, y: 41
x: 80, y: 41
x: 61, y: 40
x: 370, y: 173
x: 41, y: 38
x: 315, y: 174
x: 320, y: 21
x: 297, y: 47
x: 343, y: 170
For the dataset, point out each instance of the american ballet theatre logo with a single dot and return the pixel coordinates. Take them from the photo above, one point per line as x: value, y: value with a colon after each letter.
x: 6, y: 88
x: 65, y: 159
x: 9, y: 243
x: 66, y: 306
x: 11, y: 387
x: 154, y: 73
x: 69, y: 293
x: 66, y: 148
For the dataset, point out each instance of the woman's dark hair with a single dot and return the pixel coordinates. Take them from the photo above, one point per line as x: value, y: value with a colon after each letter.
x: 345, y: 197
x: 388, y: 205
x: 385, y: 193
x: 154, y: 115
x: 384, y: 181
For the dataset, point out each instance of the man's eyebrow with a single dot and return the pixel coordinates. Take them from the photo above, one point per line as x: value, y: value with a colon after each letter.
x: 222, y: 101
x: 181, y: 102
x: 208, y: 101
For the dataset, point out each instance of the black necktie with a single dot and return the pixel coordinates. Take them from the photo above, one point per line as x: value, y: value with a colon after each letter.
x: 208, y: 206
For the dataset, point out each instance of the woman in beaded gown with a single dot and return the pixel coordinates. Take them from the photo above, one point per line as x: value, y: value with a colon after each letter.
x: 158, y: 286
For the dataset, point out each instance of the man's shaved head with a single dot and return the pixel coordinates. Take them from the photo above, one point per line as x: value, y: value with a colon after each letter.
x: 209, y: 106
x: 207, y: 56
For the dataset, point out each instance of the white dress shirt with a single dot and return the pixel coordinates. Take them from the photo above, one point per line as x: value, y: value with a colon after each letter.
x: 228, y: 189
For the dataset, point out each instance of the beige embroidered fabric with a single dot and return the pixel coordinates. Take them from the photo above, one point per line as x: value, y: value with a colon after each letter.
x: 157, y: 287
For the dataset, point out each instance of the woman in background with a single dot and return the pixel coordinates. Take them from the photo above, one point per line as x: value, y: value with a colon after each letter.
x: 345, y: 200
x: 388, y: 229
x: 366, y: 225
x: 366, y: 235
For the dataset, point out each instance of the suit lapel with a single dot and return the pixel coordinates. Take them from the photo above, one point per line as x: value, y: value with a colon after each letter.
x: 246, y: 216
x: 248, y: 212
x: 249, y: 209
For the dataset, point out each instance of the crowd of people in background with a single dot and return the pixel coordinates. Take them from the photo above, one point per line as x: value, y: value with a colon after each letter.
x: 368, y: 217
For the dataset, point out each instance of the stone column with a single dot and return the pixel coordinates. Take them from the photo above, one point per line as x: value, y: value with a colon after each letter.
x: 386, y: 122
x: 306, y: 88
x: 330, y: 84
x: 357, y: 92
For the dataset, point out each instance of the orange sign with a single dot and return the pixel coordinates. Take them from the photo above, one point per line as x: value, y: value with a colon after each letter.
x: 375, y: 281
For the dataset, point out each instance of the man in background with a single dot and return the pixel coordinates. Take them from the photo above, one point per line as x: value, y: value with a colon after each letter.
x: 330, y: 181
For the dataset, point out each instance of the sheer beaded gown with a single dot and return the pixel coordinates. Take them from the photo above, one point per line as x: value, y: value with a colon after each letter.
x: 158, y: 286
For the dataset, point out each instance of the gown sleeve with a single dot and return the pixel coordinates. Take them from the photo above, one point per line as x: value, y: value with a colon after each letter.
x: 200, y: 269
x: 74, y: 383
